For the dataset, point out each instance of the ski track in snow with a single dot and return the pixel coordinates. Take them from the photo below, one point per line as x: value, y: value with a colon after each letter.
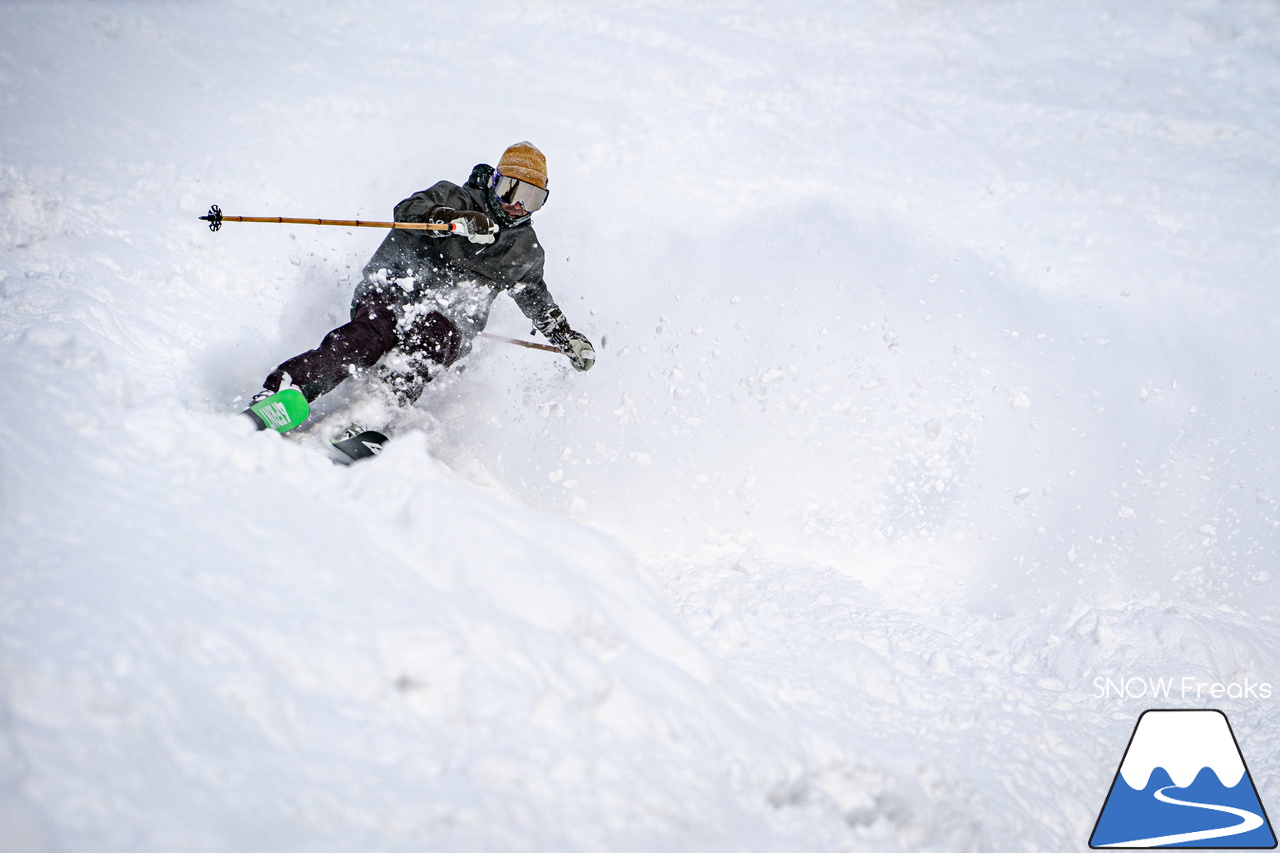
x: 937, y: 380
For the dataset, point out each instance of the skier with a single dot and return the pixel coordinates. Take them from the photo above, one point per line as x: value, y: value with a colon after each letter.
x: 425, y: 295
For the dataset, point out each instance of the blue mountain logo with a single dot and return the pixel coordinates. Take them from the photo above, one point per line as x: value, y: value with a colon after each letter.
x: 1183, y: 783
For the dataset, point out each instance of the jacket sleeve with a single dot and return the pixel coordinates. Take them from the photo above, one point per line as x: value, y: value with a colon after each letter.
x: 526, y: 262
x: 415, y: 207
x: 537, y: 304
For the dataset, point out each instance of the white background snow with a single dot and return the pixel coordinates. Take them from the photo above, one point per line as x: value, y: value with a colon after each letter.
x: 938, y: 379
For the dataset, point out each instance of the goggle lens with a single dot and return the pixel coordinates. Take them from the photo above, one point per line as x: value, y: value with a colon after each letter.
x: 515, y: 191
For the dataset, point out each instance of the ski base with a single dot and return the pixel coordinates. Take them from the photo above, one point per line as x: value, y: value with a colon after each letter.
x: 361, y: 445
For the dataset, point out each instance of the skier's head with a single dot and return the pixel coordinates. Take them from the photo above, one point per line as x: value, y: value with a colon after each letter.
x: 520, y: 181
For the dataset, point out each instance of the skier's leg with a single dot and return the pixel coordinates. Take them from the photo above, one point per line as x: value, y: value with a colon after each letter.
x: 427, y: 342
x: 358, y: 344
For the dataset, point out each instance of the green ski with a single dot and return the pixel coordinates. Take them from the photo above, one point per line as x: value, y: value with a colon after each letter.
x: 282, y: 411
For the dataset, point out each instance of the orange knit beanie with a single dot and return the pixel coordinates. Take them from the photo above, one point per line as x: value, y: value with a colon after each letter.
x: 524, y: 162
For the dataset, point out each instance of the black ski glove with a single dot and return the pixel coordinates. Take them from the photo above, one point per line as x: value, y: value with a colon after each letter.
x: 552, y: 324
x: 580, y: 351
x: 472, y: 224
x: 582, y: 355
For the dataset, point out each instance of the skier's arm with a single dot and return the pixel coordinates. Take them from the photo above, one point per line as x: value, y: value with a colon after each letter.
x: 536, y: 303
x: 440, y: 205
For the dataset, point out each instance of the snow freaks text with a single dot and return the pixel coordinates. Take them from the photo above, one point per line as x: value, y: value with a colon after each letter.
x: 1184, y: 687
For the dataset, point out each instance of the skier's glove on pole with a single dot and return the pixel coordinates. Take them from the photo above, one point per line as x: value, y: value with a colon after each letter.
x: 582, y: 355
x: 472, y: 224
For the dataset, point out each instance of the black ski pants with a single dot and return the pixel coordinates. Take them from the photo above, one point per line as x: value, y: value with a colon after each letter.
x: 423, y: 342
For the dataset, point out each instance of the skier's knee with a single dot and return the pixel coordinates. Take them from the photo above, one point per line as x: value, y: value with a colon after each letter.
x: 435, y: 337
x: 376, y: 313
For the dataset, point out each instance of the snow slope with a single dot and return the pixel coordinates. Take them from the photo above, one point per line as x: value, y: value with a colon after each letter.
x: 937, y: 385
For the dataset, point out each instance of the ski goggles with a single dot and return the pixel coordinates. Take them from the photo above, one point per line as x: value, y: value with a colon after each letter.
x: 516, y: 191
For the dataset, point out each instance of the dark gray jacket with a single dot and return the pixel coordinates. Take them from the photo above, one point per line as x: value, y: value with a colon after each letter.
x: 458, y: 278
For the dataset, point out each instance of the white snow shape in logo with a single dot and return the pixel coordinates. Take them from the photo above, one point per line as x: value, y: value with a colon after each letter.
x: 1183, y: 743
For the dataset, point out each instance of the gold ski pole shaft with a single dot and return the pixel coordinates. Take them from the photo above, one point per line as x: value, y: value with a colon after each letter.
x: 216, y: 217
x: 520, y: 343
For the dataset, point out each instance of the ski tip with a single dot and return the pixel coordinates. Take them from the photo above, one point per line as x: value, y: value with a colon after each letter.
x: 283, y: 411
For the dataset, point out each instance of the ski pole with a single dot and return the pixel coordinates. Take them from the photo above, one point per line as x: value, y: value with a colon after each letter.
x: 520, y: 343
x: 215, y: 218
